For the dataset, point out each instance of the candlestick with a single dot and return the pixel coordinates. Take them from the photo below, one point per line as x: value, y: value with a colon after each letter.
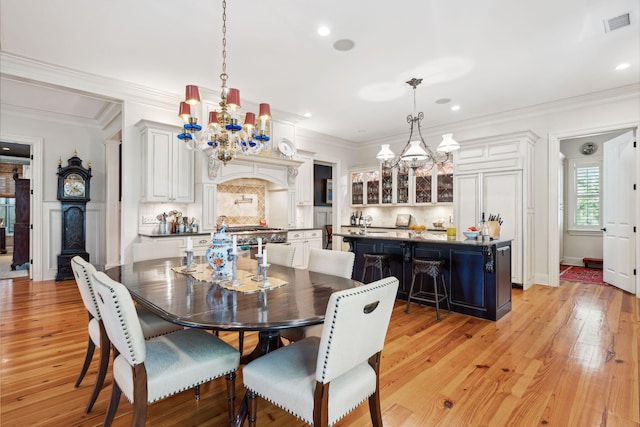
x: 188, y: 263
x: 265, y: 280
x: 259, y: 245
x: 234, y: 271
x: 189, y: 244
x: 264, y: 257
x: 234, y: 250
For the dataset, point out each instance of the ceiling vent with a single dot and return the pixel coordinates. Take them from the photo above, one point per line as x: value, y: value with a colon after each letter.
x: 617, y: 22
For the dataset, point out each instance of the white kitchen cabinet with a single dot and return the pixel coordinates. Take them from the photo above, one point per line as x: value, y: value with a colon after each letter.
x: 200, y: 242
x: 365, y: 186
x: 402, y: 187
x: 495, y: 175
x: 304, y: 182
x: 167, y: 165
x: 304, y: 241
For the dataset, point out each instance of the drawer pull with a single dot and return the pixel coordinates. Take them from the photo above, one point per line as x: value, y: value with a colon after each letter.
x: 203, y: 241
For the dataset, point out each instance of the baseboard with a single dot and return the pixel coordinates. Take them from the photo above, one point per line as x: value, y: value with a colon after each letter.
x: 573, y: 261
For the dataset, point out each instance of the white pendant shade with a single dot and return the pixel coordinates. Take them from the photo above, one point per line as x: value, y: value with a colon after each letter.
x: 415, y: 152
x: 385, y: 153
x: 448, y: 144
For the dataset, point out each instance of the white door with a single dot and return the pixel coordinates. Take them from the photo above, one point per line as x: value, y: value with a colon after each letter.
x: 618, y: 212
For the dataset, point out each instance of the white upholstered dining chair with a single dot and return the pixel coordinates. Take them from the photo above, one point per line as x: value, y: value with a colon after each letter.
x: 320, y: 380
x: 151, y: 324
x: 335, y: 263
x: 150, y: 370
x: 280, y: 254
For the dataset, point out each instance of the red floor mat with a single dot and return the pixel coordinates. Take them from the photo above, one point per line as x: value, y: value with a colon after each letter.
x: 572, y: 273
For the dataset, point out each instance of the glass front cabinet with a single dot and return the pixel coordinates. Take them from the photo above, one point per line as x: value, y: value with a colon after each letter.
x: 365, y: 187
x: 388, y: 186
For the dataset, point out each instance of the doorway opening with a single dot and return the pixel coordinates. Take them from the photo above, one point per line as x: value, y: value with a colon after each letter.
x: 15, y: 207
x: 323, y: 201
x: 558, y: 211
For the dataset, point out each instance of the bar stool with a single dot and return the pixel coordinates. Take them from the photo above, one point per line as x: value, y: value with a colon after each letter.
x: 381, y: 262
x: 433, y: 268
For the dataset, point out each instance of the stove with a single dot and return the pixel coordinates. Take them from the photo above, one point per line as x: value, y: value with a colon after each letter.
x: 248, y: 235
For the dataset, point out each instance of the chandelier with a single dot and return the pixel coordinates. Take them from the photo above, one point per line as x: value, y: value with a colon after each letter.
x: 416, y: 153
x: 223, y: 136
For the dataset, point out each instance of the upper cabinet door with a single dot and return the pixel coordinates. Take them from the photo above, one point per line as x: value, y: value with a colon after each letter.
x: 168, y: 166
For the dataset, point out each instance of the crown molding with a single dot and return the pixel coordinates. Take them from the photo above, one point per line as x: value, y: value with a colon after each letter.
x: 50, y: 116
x: 574, y: 103
x: 92, y: 85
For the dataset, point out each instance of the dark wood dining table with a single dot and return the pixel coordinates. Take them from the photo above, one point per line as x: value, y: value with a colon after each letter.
x: 181, y: 299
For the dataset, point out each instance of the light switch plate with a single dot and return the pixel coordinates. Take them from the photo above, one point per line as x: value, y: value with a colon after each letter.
x: 149, y: 219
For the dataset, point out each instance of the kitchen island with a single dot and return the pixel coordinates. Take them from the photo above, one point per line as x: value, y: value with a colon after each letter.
x: 477, y: 272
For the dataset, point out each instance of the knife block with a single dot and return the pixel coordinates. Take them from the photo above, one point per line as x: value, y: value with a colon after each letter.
x: 494, y: 229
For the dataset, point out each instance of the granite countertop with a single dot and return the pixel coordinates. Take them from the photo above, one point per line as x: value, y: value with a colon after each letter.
x: 379, y: 227
x: 200, y: 233
x: 421, y: 237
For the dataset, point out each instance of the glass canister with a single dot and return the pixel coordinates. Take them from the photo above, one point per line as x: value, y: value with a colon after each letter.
x: 219, y: 256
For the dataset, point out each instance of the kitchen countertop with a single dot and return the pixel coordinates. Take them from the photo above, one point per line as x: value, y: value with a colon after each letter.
x: 443, y: 229
x: 421, y: 237
x: 201, y: 233
x: 208, y: 233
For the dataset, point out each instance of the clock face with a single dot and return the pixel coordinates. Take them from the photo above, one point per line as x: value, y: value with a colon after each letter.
x: 74, y: 186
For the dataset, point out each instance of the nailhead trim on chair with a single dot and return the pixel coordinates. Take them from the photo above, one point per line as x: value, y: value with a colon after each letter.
x: 310, y: 422
x: 127, y: 335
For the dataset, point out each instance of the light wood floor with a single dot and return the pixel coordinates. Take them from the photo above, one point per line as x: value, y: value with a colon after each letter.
x: 567, y: 356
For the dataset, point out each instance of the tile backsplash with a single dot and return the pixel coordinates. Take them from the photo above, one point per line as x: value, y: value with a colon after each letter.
x: 386, y: 216
x: 242, y: 201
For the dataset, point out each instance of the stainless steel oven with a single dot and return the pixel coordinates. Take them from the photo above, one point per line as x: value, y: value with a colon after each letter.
x: 248, y: 236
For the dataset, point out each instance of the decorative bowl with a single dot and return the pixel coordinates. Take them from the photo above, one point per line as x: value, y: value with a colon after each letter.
x: 470, y: 234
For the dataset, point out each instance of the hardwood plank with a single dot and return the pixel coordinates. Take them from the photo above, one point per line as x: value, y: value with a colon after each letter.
x: 563, y: 356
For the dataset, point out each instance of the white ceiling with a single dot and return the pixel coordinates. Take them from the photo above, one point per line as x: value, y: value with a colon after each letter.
x: 487, y: 56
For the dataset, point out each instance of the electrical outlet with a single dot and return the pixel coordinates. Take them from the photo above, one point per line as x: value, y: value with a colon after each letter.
x: 149, y: 219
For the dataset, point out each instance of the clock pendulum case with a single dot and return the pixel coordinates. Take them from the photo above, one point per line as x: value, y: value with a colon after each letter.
x: 73, y: 193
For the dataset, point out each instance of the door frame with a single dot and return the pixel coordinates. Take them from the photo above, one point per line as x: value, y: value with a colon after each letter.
x: 35, y: 211
x: 553, y: 163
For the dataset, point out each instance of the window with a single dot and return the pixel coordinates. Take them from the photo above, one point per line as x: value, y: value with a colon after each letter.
x: 585, y: 196
x: 8, y: 213
x: 588, y: 196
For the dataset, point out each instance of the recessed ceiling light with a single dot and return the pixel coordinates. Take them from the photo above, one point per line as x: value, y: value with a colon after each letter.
x: 455, y: 108
x: 344, y: 45
x: 324, y: 31
x: 622, y: 66
x: 443, y: 101
x: 307, y: 114
x: 6, y: 149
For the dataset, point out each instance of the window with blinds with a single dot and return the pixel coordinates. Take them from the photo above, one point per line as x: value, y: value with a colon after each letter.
x: 587, y: 192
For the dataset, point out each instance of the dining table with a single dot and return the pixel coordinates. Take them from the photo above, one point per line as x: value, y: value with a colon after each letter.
x: 296, y: 298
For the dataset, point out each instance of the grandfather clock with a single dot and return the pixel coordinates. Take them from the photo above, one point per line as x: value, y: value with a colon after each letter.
x: 73, y: 193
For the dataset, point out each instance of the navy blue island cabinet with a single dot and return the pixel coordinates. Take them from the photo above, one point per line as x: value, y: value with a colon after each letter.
x: 477, y: 273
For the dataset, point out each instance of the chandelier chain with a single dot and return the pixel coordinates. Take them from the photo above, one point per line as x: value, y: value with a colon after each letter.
x: 224, y: 75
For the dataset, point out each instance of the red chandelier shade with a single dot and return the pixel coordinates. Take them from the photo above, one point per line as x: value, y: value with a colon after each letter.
x: 233, y: 97
x: 265, y: 111
x: 250, y: 119
x: 185, y: 110
x: 193, y: 95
